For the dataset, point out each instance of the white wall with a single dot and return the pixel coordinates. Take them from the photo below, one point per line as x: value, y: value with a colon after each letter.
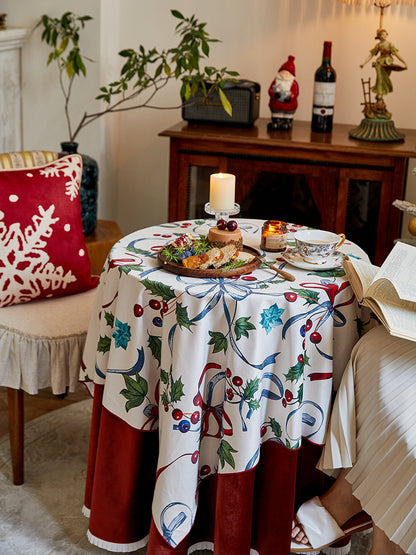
x: 256, y: 35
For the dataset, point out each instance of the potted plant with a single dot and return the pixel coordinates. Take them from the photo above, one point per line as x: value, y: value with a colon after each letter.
x: 143, y: 74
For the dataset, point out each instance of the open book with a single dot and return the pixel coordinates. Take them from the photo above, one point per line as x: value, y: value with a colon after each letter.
x: 389, y: 291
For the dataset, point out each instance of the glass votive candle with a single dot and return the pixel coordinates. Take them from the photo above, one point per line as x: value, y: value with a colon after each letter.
x: 273, y: 236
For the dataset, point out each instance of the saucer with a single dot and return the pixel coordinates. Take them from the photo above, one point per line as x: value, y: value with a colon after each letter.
x: 333, y: 261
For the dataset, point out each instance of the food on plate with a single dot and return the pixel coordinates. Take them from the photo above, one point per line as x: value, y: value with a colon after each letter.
x: 225, y: 236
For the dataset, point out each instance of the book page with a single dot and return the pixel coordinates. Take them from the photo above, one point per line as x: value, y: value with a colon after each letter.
x: 398, y: 320
x: 399, y: 268
x: 360, y: 274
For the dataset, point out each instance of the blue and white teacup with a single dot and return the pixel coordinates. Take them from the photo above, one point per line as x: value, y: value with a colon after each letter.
x: 316, y: 245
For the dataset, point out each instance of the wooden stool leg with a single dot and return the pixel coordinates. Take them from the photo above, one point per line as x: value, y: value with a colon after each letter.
x: 16, y: 434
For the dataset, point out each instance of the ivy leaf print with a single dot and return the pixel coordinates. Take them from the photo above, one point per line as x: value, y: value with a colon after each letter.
x: 219, y: 341
x: 135, y: 392
x: 155, y: 345
x: 276, y: 428
x: 310, y: 297
x: 109, y: 318
x: 270, y: 317
x: 104, y: 344
x: 224, y: 453
x: 242, y: 327
x: 176, y: 390
x: 251, y: 387
x: 295, y: 372
x: 182, y: 316
x: 159, y: 289
x: 121, y: 334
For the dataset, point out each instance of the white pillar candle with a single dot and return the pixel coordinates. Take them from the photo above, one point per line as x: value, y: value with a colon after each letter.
x: 222, y: 191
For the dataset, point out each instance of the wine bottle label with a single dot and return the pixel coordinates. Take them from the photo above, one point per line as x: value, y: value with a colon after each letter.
x: 324, y: 94
x: 323, y: 111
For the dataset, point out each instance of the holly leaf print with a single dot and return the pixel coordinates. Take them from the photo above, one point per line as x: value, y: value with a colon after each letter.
x: 164, y: 376
x: 164, y: 398
x: 127, y: 268
x: 182, y: 316
x: 225, y: 454
x: 254, y: 404
x: 300, y: 394
x: 219, y: 341
x: 276, y: 428
x: 155, y: 345
x: 295, y: 372
x: 339, y: 272
x: 176, y: 390
x: 310, y: 297
x: 135, y: 392
x: 104, y: 344
x: 242, y: 327
x: 159, y: 289
x: 109, y: 318
x: 121, y: 334
x: 137, y: 251
x: 251, y: 387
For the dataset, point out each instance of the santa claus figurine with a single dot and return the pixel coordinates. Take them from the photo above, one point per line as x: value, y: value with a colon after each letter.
x: 283, y: 93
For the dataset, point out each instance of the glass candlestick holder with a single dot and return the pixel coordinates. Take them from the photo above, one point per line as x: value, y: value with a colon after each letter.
x: 222, y: 214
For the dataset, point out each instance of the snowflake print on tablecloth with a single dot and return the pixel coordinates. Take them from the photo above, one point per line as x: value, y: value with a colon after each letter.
x: 24, y: 260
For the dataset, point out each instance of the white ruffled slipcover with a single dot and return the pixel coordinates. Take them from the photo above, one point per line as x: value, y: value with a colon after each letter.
x: 41, y: 342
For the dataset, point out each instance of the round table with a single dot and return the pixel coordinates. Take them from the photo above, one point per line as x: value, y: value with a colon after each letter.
x: 193, y: 379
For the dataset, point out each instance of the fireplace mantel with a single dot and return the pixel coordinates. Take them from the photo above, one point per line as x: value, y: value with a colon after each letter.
x: 11, y: 42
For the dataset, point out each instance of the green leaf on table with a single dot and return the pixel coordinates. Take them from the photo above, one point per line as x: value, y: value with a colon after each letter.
x: 109, y: 318
x: 155, y: 345
x: 242, y: 327
x: 135, y: 392
x: 224, y: 453
x: 176, y: 390
x: 159, y: 289
x: 137, y: 251
x: 251, y: 387
x: 276, y: 428
x: 311, y: 297
x: 219, y: 341
x: 104, y: 344
x: 182, y: 316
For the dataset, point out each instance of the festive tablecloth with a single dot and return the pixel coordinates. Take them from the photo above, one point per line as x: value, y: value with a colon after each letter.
x: 216, y: 367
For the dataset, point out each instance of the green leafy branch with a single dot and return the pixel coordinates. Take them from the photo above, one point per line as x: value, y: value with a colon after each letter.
x: 144, y: 70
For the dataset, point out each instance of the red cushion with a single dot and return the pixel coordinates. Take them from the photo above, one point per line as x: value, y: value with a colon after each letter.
x: 42, y: 246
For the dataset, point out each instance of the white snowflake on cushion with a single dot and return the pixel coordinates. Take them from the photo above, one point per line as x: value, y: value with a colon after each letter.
x: 25, y: 267
x: 68, y: 169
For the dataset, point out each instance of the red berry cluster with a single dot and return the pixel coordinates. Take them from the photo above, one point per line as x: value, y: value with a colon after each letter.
x: 223, y: 224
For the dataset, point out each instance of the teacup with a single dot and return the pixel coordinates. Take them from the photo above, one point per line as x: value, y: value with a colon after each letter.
x: 316, y: 245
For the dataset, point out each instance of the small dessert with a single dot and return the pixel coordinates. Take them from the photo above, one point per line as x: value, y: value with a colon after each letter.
x: 193, y: 261
x: 225, y: 235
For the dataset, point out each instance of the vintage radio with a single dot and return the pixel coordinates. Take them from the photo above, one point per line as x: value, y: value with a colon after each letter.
x: 244, y: 96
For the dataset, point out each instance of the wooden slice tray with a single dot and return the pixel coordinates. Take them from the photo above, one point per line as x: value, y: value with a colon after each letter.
x: 179, y: 268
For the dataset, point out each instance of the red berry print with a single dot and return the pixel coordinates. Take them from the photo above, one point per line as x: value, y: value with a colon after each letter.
x: 316, y: 337
x: 288, y: 395
x: 300, y: 358
x: 177, y: 414
x: 195, y: 456
x: 230, y: 394
x: 228, y: 373
x: 249, y: 278
x: 197, y: 400
x: 154, y: 304
x: 284, y: 403
x: 166, y: 407
x: 308, y: 324
x: 237, y: 381
x: 263, y: 430
x: 195, y: 417
x: 291, y: 297
x: 205, y: 470
x: 138, y: 310
x: 165, y: 307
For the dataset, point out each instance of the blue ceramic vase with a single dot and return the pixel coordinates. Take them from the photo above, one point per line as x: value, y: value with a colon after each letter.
x: 88, y: 190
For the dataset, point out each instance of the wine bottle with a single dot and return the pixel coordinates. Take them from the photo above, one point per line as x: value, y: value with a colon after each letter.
x: 324, y: 93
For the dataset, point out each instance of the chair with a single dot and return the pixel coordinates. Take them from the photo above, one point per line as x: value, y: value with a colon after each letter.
x: 41, y: 341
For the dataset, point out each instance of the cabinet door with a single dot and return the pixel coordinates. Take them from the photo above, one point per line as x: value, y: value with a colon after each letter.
x: 364, y: 210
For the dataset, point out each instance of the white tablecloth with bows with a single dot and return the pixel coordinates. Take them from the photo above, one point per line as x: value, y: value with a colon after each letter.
x: 217, y: 366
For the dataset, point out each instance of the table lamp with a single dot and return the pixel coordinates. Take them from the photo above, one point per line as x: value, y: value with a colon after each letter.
x: 377, y: 124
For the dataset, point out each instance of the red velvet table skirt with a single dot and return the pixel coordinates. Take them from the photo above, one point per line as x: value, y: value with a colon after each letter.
x: 236, y: 512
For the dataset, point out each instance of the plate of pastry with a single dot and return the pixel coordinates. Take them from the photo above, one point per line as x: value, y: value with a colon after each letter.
x: 201, y: 257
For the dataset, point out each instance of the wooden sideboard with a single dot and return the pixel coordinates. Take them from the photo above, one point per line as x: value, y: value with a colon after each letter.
x: 348, y: 185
